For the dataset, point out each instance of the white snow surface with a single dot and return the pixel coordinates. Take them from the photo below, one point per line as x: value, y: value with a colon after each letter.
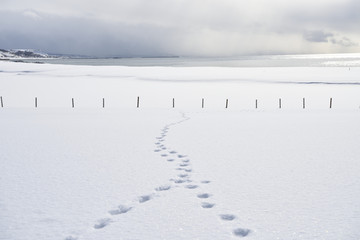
x: 157, y: 172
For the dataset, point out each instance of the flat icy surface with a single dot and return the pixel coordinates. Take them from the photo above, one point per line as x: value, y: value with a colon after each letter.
x: 186, y: 173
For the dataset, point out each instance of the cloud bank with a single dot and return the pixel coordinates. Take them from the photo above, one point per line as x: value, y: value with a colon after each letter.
x: 180, y: 27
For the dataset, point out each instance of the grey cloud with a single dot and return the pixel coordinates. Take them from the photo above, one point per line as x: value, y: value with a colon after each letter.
x: 344, y: 41
x: 317, y: 36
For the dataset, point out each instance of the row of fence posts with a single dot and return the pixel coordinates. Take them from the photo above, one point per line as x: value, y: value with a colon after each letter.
x: 173, y: 103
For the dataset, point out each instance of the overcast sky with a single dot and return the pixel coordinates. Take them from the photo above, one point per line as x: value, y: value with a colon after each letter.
x: 181, y: 27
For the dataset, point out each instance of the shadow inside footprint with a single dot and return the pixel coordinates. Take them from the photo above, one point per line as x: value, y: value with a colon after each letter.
x: 121, y: 209
x: 183, y: 175
x: 164, y: 155
x: 203, y: 195
x: 144, y: 198
x: 71, y: 238
x: 102, y: 223
x: 207, y: 205
x: 183, y: 164
x: 172, y: 152
x: 241, y: 232
x: 227, y: 217
x: 171, y: 160
x: 163, y: 188
x: 191, y: 186
x: 177, y: 180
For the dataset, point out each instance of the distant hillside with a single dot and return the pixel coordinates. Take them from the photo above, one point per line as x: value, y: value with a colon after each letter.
x: 21, y: 53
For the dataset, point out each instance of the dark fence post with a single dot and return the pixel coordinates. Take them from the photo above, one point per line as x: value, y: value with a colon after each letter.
x: 256, y: 103
x: 103, y: 102
x: 303, y: 103
x: 173, y: 103
x: 280, y: 103
x: 227, y: 103
x: 72, y: 102
x: 2, y: 103
x: 330, y: 102
x: 202, y: 103
x: 138, y: 102
x: 36, y: 102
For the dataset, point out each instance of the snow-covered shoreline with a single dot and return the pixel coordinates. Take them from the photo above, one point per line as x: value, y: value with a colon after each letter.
x: 157, y: 172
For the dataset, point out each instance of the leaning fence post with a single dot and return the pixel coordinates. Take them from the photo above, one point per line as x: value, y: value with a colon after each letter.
x: 227, y: 103
x: 138, y: 102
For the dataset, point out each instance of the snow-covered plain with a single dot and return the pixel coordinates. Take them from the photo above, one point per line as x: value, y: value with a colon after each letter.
x: 157, y: 172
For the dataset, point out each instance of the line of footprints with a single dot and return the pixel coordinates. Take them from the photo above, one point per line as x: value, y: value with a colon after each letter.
x: 183, y: 179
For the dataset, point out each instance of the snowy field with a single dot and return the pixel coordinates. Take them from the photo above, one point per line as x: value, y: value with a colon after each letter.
x: 158, y: 172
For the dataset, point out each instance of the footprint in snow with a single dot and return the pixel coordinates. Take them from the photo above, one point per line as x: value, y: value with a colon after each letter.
x: 144, y: 198
x: 178, y: 180
x: 185, y: 160
x: 171, y: 160
x: 188, y: 170
x: 207, y: 205
x: 183, y: 164
x: 163, y: 188
x: 191, y: 186
x: 203, y: 195
x: 205, y: 181
x: 181, y: 156
x: 227, y: 217
x: 157, y: 150
x: 172, y: 152
x: 241, y: 232
x: 183, y: 175
x: 102, y: 223
x: 120, y: 210
x: 164, y: 155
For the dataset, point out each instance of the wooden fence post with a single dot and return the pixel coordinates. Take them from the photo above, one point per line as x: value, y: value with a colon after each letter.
x: 280, y: 103
x: 72, y: 102
x: 256, y: 103
x: 173, y: 103
x: 330, y: 102
x: 2, y: 103
x: 138, y: 102
x: 36, y: 103
x: 303, y: 103
x: 202, y: 103
x: 227, y: 103
x: 103, y: 102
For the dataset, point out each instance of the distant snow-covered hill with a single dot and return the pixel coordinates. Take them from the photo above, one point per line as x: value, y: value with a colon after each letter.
x: 21, y: 53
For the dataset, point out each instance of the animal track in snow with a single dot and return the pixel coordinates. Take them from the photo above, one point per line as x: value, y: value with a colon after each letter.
x: 102, y: 223
x: 191, y: 186
x: 181, y: 156
x: 183, y: 164
x: 241, y: 232
x: 188, y: 170
x: 185, y: 160
x: 144, y: 198
x: 227, y: 217
x: 203, y: 195
x: 207, y: 205
x: 171, y: 160
x: 172, y: 152
x: 178, y: 180
x: 163, y: 188
x: 71, y: 238
x: 183, y: 175
x: 205, y: 181
x: 164, y: 155
x: 120, y: 210
x: 157, y: 150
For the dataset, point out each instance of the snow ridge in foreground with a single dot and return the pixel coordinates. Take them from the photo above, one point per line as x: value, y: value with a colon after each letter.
x: 182, y: 181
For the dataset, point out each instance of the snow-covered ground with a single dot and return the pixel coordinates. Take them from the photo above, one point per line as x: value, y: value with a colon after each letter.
x: 157, y: 172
